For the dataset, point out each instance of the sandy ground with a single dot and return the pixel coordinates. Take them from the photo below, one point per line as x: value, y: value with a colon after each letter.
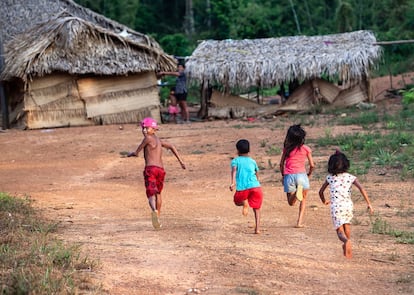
x: 80, y: 179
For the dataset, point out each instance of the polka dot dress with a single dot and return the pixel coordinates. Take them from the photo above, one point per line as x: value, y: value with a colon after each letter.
x: 341, y: 203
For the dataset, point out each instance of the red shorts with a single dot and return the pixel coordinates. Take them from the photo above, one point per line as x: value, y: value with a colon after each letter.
x: 253, y: 195
x: 154, y: 180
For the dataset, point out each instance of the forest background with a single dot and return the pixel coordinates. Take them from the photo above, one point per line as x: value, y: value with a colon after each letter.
x: 179, y: 25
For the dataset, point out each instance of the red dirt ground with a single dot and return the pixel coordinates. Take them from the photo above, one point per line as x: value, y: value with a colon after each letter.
x: 78, y: 177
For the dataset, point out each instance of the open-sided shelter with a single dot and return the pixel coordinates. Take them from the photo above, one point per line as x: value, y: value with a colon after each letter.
x: 313, y: 61
x: 68, y: 66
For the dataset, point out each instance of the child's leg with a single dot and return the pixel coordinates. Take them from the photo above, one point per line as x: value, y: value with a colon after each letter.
x: 158, y: 202
x: 245, y: 205
x: 302, y: 207
x: 347, y: 230
x: 291, y: 198
x: 153, y: 202
x: 341, y: 232
x: 257, y: 220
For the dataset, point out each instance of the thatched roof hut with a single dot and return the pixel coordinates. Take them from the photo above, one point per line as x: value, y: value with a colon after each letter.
x: 67, y: 43
x: 268, y: 62
x: 75, y: 67
x: 265, y: 63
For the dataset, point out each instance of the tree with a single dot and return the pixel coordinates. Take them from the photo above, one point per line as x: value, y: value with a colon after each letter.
x: 344, y: 17
x: 189, y: 19
x: 295, y: 17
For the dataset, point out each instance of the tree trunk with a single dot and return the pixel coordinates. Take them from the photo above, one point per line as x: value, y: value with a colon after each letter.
x: 208, y: 11
x: 295, y: 17
x: 204, y: 98
x: 189, y: 18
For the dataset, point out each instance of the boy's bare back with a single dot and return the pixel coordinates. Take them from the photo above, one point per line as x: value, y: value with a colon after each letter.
x: 153, y: 151
x: 152, y: 145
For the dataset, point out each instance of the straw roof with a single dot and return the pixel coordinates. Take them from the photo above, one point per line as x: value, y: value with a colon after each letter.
x: 18, y: 16
x: 77, y: 41
x: 269, y: 62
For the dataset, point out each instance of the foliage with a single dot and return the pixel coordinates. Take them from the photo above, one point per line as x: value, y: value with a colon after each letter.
x: 391, y: 146
x: 408, y: 96
x: 32, y: 261
x: 238, y: 19
x: 381, y: 226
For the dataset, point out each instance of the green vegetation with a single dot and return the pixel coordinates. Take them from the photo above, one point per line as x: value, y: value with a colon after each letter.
x: 179, y: 25
x: 380, y: 226
x: 273, y: 150
x: 389, y: 145
x: 32, y: 260
x: 247, y: 126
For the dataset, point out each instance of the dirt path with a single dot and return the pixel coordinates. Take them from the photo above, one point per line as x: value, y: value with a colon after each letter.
x: 205, y: 246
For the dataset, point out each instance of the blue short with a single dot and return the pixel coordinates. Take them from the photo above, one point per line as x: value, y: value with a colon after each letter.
x: 291, y: 181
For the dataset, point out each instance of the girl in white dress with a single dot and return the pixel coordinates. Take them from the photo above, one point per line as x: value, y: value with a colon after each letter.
x: 340, y: 183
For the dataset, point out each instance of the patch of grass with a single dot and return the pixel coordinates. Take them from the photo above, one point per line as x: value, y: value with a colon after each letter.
x: 394, y: 257
x: 32, y: 261
x: 245, y: 290
x: 405, y: 280
x: 273, y: 150
x: 380, y: 226
x: 364, y: 119
x: 197, y: 152
x: 246, y: 126
x: 394, y: 150
x: 384, y: 157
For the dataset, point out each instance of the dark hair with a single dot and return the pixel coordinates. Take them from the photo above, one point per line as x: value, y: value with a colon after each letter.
x: 338, y: 163
x: 243, y: 146
x: 295, y: 138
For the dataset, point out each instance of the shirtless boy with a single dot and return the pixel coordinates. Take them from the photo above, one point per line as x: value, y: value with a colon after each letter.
x: 154, y: 173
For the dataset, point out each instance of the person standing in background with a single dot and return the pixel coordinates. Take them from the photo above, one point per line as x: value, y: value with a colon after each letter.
x: 180, y: 91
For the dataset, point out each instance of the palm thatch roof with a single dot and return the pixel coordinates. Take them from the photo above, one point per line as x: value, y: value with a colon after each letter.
x: 18, y: 16
x: 75, y: 40
x: 269, y: 62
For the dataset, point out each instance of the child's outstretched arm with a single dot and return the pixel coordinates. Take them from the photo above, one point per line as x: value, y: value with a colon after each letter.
x: 174, y: 151
x: 233, y: 178
x: 322, y: 193
x: 364, y: 194
x: 139, y: 148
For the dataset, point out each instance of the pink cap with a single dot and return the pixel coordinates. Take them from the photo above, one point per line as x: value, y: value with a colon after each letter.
x: 149, y: 122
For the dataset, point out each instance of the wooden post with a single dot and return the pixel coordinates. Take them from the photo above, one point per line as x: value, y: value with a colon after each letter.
x: 3, y: 99
x: 204, y: 97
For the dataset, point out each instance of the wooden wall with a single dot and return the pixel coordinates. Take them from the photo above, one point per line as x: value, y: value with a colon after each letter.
x: 61, y: 100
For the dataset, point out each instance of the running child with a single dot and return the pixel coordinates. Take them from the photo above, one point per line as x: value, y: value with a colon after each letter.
x: 295, y: 179
x: 154, y: 173
x: 340, y: 183
x: 244, y: 178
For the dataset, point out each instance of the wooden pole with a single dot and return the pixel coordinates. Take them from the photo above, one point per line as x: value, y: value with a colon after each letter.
x: 393, y: 42
x: 203, y: 111
x: 3, y: 99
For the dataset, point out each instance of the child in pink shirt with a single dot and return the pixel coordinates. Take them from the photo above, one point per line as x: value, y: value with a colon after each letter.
x: 293, y: 168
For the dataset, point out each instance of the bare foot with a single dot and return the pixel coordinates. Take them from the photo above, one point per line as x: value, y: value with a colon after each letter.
x: 299, y: 226
x: 257, y: 232
x: 155, y: 220
x: 299, y: 193
x: 245, y: 209
x: 347, y: 249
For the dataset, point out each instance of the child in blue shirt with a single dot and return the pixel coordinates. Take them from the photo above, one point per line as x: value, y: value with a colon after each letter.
x: 244, y: 179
